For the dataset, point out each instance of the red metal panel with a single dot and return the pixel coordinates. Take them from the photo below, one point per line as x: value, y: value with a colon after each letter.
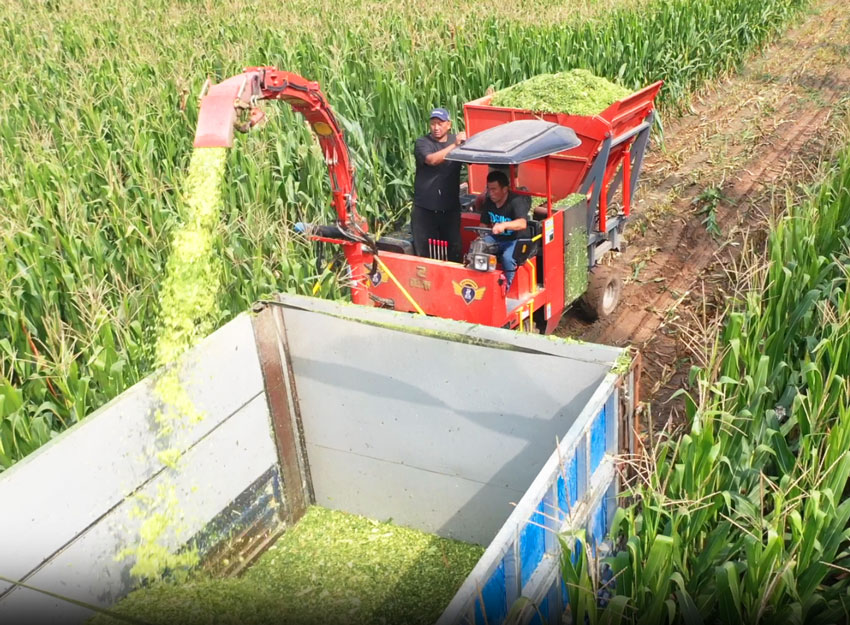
x: 568, y: 168
x: 436, y: 286
x: 624, y: 116
x: 217, y: 113
x: 629, y: 112
x: 553, y: 267
x: 451, y: 290
x: 523, y: 284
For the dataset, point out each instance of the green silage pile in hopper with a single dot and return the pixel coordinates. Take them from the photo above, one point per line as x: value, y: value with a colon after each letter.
x: 331, y: 567
x: 576, y: 92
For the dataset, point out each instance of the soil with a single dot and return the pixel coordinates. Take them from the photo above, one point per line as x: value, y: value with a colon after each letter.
x: 709, y: 191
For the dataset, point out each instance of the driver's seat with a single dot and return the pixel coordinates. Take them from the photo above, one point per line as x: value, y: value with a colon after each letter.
x: 528, y: 244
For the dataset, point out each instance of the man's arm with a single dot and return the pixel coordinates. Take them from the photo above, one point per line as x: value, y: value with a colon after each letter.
x: 435, y: 158
x: 518, y: 210
x: 513, y: 225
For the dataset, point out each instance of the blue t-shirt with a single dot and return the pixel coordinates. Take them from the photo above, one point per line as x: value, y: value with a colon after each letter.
x: 515, y: 207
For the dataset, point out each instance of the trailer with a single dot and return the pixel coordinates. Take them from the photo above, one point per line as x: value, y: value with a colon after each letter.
x: 300, y: 408
x: 564, y: 243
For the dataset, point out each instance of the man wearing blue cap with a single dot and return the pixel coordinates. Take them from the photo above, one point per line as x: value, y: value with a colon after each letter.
x: 436, y: 188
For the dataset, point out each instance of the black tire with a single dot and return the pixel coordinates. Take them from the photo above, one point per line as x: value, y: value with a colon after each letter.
x: 603, y: 293
x: 539, y: 321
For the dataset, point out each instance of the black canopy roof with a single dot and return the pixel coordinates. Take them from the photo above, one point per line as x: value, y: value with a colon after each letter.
x: 515, y: 142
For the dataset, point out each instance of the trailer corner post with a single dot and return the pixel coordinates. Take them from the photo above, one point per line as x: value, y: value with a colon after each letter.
x: 638, y: 151
x: 272, y: 348
x: 594, y: 183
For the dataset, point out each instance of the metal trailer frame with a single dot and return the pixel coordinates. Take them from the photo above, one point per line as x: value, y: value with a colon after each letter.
x: 598, y: 243
x: 576, y: 489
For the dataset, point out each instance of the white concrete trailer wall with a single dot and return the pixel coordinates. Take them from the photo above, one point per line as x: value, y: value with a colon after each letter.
x: 65, y: 509
x: 435, y: 424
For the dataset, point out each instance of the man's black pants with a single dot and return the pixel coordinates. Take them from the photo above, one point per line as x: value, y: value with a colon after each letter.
x: 445, y: 226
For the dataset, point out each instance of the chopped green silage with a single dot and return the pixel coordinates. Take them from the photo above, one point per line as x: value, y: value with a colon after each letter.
x: 188, y: 313
x: 330, y: 567
x: 571, y: 200
x: 188, y: 298
x: 575, y: 92
x: 576, y: 279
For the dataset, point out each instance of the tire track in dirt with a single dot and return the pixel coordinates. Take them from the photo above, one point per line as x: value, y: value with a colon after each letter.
x: 636, y: 327
x: 764, y: 129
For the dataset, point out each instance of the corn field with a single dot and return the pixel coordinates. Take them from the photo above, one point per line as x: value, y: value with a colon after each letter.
x: 744, y: 519
x: 98, y: 117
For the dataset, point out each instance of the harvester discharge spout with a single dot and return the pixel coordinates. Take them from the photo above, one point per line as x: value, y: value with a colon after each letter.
x: 222, y: 108
x: 233, y: 105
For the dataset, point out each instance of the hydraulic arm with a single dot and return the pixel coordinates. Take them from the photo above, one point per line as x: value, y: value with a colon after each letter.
x: 232, y: 105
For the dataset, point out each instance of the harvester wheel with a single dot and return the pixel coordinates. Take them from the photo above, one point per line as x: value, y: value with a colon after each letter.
x: 603, y: 293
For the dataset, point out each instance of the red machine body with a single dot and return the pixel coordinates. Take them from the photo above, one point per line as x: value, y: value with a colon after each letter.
x: 435, y: 287
x: 610, y: 155
x: 570, y: 169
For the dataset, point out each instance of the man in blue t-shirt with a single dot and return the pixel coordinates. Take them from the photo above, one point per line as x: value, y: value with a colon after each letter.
x: 506, y: 212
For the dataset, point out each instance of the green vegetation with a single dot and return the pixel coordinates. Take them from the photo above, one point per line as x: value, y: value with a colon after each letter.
x: 744, y: 519
x: 189, y: 313
x: 329, y: 567
x: 193, y: 273
x: 577, y: 92
x: 95, y: 139
x: 571, y: 200
x: 577, y: 270
x: 161, y: 521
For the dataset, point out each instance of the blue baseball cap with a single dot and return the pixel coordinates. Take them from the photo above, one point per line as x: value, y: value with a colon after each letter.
x: 440, y: 113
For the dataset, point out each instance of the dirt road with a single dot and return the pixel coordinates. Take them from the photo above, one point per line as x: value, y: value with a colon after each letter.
x: 723, y: 170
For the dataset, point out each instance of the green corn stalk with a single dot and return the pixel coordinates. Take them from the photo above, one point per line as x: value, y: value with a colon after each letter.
x: 747, y: 511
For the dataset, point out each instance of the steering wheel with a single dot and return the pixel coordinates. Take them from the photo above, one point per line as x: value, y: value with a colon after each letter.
x: 479, y: 229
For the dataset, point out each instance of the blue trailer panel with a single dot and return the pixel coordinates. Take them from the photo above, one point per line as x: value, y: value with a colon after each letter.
x: 560, y: 499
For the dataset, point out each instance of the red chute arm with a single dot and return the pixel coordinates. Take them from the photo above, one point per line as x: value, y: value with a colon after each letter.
x: 222, y: 104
